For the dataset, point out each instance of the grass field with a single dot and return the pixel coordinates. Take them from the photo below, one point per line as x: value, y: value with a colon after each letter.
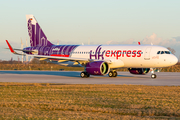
x: 58, y: 101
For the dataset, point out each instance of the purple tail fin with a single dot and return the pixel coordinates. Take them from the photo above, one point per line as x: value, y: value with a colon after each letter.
x: 37, y: 36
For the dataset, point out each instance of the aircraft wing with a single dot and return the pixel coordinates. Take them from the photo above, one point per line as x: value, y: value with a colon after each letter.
x: 81, y: 60
x: 12, y: 50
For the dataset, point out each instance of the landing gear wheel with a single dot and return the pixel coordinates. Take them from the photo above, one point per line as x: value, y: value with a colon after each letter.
x: 153, y: 76
x: 110, y: 74
x: 114, y: 74
x: 83, y: 74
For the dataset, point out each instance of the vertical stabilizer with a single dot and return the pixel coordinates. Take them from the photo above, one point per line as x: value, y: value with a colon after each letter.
x: 37, y: 36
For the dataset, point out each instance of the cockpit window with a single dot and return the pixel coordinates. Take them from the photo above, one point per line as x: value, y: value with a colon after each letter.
x: 162, y: 52
x: 167, y: 52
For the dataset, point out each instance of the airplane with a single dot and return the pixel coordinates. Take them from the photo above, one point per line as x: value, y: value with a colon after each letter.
x: 97, y: 59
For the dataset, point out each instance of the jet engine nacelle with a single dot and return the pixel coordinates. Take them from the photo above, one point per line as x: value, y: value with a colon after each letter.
x: 97, y: 68
x: 141, y: 71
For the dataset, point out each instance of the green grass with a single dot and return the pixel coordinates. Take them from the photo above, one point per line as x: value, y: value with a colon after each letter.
x: 58, y: 101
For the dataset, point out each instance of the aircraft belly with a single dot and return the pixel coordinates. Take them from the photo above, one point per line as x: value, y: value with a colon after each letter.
x: 68, y: 64
x: 116, y: 64
x: 132, y: 62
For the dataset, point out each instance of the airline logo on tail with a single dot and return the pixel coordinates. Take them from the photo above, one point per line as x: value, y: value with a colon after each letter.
x: 37, y: 36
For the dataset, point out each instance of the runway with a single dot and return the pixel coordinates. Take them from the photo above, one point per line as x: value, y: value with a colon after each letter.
x: 73, y: 77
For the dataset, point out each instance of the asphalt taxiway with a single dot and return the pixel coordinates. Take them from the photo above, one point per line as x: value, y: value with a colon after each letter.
x: 73, y: 77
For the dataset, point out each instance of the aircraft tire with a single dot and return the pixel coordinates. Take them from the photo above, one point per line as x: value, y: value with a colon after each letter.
x: 110, y: 74
x: 83, y: 74
x: 114, y: 74
x: 153, y: 76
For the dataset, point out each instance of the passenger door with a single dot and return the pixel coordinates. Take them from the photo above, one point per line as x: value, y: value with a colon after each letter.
x: 147, y: 53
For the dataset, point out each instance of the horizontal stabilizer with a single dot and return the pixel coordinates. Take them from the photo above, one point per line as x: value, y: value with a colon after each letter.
x: 22, y: 50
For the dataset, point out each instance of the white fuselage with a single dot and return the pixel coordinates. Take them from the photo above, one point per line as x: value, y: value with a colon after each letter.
x: 133, y: 56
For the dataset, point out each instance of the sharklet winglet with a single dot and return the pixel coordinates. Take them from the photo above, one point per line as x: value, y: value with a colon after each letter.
x: 11, y: 49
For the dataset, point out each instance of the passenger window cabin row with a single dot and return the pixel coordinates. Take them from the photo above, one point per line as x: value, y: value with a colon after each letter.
x: 97, y: 52
x: 159, y: 52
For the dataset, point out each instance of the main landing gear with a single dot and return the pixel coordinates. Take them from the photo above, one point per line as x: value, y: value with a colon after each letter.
x: 84, y: 74
x: 112, y: 73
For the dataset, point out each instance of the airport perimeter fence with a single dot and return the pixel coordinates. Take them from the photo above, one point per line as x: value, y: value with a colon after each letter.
x: 54, y: 67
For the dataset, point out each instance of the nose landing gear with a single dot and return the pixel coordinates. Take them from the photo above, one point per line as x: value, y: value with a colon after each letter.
x: 153, y: 76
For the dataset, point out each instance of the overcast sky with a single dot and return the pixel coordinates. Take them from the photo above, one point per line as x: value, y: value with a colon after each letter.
x: 96, y: 21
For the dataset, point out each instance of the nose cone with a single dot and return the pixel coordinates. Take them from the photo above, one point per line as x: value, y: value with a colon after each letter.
x: 173, y: 60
